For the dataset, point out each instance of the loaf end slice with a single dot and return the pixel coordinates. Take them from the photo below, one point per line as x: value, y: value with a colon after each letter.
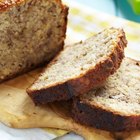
x: 116, y: 105
x: 80, y: 67
x: 32, y: 32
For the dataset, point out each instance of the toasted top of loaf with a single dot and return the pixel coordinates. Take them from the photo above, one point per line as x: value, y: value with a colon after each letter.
x: 5, y: 4
x: 81, y: 66
x: 116, y: 105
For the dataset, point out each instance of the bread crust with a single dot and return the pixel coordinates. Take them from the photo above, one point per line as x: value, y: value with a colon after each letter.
x: 103, y: 118
x: 4, y: 4
x: 84, y: 83
x: 99, y: 118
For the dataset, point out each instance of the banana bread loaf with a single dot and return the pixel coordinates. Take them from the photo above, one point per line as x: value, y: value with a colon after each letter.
x: 31, y: 32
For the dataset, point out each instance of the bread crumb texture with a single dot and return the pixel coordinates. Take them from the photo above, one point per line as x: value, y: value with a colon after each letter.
x: 31, y: 33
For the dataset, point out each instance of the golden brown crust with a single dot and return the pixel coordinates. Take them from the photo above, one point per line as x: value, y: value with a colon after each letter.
x: 4, y: 4
x: 65, y: 11
x: 84, y: 83
x: 103, y: 119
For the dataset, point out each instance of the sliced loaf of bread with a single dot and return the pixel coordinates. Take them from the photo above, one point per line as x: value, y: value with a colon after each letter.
x: 32, y: 32
x: 80, y: 67
x: 116, y: 105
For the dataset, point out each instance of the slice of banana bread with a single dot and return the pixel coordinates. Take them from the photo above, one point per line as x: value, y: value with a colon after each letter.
x: 80, y: 67
x: 31, y: 32
x: 116, y: 105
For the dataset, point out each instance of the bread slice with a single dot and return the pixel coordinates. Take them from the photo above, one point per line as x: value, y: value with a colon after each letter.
x: 116, y: 105
x: 32, y: 32
x: 80, y: 67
